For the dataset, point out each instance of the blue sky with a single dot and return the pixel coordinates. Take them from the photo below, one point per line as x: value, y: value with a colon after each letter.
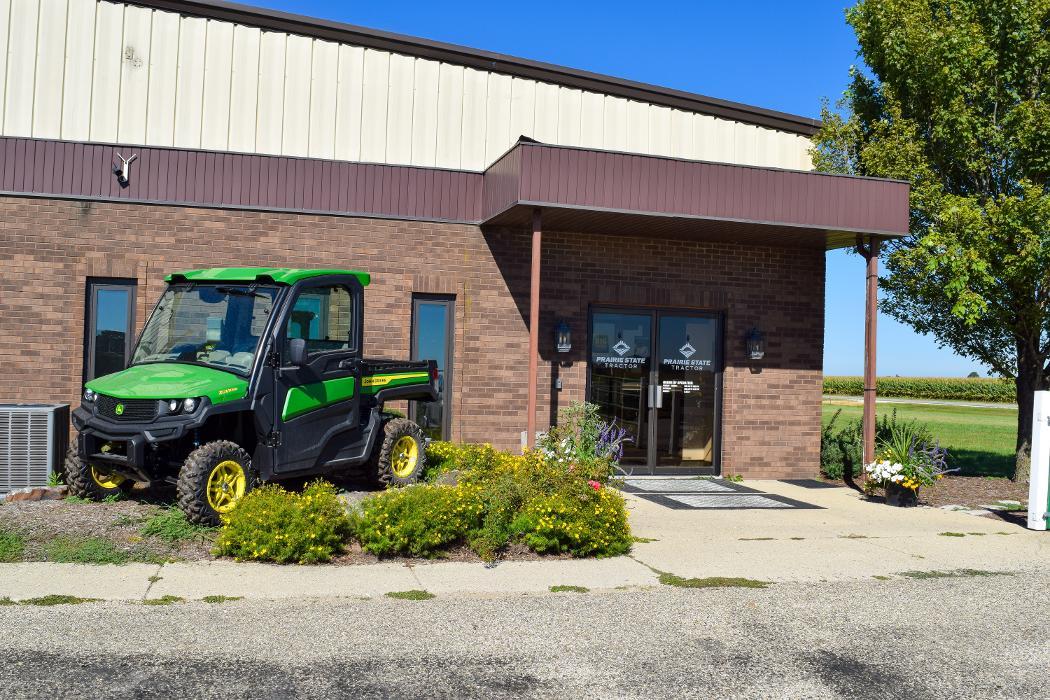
x: 779, y: 55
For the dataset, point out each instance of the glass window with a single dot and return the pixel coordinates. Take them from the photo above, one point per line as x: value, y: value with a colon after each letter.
x: 110, y: 326
x: 217, y: 325
x: 322, y: 316
x: 432, y: 320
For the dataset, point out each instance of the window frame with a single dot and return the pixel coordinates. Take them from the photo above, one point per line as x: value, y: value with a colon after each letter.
x: 449, y: 300
x: 353, y: 341
x: 93, y: 285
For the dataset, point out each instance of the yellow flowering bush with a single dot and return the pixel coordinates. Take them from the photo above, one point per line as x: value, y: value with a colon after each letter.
x: 492, y: 506
x: 588, y: 522
x: 271, y: 524
x: 441, y: 457
x: 420, y: 520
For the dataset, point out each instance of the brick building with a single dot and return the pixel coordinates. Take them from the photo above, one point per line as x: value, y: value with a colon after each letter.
x: 675, y: 243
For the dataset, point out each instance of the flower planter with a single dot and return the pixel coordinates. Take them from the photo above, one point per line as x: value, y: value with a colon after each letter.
x: 897, y: 495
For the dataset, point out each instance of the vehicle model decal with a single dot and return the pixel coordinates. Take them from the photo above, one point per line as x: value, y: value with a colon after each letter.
x: 379, y: 381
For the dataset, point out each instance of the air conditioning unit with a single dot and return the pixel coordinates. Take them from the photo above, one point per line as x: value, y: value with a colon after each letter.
x: 33, y: 441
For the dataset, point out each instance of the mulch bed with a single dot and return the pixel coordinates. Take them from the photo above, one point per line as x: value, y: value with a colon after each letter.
x: 515, y: 552
x: 41, y: 522
x: 973, y: 491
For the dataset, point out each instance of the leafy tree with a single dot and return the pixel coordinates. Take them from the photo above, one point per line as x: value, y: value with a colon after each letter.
x: 954, y: 100
x: 973, y: 375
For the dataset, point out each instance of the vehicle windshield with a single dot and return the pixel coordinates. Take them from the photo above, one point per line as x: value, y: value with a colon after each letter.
x: 215, y: 325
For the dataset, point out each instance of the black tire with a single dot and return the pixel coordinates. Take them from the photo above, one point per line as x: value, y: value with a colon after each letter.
x: 197, y: 470
x: 83, y: 484
x: 385, y: 458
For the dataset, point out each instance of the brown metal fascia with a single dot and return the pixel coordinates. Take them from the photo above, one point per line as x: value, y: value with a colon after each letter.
x: 485, y: 60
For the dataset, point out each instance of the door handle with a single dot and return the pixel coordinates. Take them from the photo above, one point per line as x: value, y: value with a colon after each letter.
x: 656, y: 396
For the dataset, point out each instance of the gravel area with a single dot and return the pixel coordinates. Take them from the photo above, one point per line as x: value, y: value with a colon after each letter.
x: 979, y: 636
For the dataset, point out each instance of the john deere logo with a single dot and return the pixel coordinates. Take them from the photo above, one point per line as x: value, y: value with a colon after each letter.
x: 119, y: 410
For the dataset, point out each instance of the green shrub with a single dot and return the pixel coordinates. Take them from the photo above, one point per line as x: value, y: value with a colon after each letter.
x: 271, y: 524
x: 171, y: 525
x: 420, y: 520
x: 841, y: 449
x: 938, y: 388
x: 505, y: 484
x: 495, y: 488
x: 844, y: 449
x: 582, y: 524
x: 443, y: 457
x: 583, y: 441
x: 12, y: 545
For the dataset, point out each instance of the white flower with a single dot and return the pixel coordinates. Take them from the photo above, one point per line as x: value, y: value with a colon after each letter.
x: 884, y: 470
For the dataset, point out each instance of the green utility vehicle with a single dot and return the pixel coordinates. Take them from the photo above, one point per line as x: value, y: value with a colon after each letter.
x: 244, y: 375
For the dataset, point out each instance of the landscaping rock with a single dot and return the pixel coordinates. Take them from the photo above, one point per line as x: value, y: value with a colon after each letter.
x: 449, y: 478
x: 966, y: 510
x: 38, y: 493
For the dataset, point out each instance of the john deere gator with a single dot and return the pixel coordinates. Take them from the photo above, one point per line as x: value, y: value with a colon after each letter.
x: 246, y: 375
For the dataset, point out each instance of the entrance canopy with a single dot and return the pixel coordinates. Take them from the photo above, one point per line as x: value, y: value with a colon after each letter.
x: 602, y: 191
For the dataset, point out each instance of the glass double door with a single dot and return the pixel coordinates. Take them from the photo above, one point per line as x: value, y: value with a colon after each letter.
x: 658, y: 374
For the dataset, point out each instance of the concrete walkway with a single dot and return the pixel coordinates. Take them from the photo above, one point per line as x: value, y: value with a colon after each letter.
x: 848, y: 539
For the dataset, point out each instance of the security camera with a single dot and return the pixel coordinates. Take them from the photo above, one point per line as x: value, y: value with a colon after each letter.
x: 123, y: 171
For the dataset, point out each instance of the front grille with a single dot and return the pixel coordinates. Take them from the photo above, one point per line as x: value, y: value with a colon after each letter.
x: 134, y: 411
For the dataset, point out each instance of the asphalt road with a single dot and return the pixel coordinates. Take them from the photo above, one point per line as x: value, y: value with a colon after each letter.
x: 971, y: 637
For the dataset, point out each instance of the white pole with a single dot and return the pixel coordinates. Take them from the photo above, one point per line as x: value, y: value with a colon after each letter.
x: 1039, y: 482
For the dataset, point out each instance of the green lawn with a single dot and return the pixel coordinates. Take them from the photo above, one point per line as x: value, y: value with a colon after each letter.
x: 979, y: 440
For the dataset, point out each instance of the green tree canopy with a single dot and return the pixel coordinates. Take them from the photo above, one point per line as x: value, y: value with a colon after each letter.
x: 953, y: 98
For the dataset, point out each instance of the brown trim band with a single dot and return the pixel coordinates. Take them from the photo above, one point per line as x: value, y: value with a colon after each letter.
x: 538, y: 175
x: 584, y: 190
x: 239, y: 181
x: 484, y: 60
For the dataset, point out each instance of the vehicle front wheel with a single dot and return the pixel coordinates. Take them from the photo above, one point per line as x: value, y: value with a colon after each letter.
x: 402, y: 458
x: 86, y: 481
x: 213, y: 479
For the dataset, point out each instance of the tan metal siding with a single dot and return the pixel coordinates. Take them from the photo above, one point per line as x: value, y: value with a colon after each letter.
x: 111, y: 72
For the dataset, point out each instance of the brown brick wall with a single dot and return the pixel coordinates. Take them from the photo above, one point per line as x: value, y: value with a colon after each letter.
x: 771, y: 412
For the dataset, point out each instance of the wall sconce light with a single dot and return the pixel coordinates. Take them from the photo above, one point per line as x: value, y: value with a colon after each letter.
x: 562, y: 337
x: 756, y: 345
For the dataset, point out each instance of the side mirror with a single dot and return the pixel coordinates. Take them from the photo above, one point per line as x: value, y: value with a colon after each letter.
x: 297, y: 352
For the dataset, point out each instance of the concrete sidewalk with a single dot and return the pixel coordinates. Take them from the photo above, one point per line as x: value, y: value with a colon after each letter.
x: 849, y: 538
x: 193, y: 581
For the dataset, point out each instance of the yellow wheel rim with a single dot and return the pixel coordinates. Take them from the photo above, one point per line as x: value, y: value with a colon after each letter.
x: 106, y: 480
x: 405, y: 456
x: 226, y: 485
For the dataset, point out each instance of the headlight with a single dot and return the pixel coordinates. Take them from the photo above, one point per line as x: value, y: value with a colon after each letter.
x: 189, y: 405
x: 89, y: 395
x: 173, y: 406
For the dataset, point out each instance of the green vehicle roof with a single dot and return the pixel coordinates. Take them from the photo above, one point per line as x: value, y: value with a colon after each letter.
x: 279, y: 275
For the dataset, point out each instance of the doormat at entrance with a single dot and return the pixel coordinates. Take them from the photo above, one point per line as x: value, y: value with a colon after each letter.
x: 813, y: 483
x: 690, y: 485
x: 725, y: 501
